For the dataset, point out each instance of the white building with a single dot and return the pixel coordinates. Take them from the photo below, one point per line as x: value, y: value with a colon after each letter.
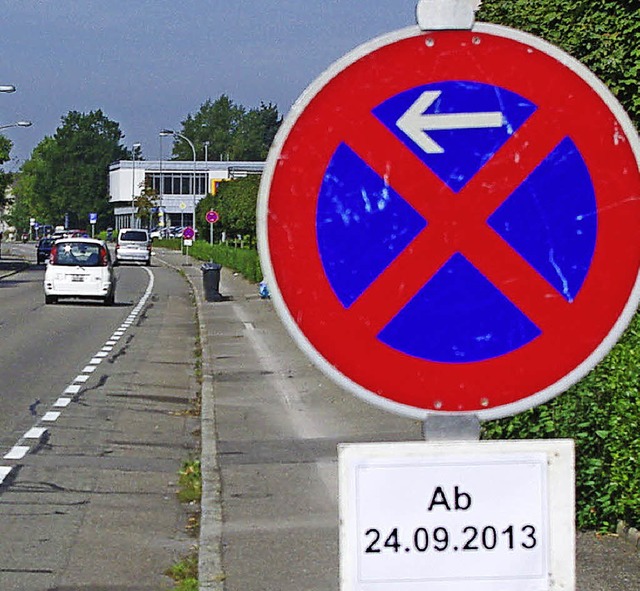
x: 173, y: 183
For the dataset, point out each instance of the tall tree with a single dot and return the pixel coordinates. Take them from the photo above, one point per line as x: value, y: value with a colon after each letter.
x: 232, y: 132
x: 68, y: 173
x: 255, y: 133
x: 5, y: 178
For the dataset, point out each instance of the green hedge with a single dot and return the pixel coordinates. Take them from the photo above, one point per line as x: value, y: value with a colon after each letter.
x: 602, y: 414
x: 243, y: 260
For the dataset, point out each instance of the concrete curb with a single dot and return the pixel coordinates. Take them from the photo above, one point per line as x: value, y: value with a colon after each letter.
x: 629, y: 534
x: 210, y: 573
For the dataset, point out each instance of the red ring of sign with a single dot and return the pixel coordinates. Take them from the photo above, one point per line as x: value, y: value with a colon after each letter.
x: 343, y: 341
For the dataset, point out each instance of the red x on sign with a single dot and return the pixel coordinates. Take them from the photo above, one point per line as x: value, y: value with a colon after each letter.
x: 448, y: 221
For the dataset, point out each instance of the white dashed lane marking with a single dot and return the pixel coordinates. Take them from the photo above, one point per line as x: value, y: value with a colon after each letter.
x: 19, y: 451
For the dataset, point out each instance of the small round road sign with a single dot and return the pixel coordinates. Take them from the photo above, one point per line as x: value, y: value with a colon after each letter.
x: 448, y: 221
x: 212, y: 216
x: 188, y: 233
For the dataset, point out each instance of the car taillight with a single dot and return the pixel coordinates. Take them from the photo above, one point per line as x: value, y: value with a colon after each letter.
x: 103, y: 257
x: 53, y: 254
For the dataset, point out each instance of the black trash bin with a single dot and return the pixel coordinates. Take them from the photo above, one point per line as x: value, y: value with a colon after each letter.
x: 211, y: 281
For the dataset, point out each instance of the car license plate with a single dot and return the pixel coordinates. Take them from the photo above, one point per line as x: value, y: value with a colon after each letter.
x: 77, y: 277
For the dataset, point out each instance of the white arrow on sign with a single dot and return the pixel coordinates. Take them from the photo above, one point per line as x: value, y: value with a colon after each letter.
x: 415, y: 123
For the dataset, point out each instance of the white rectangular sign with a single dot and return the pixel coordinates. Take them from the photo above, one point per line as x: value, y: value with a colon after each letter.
x: 457, y: 516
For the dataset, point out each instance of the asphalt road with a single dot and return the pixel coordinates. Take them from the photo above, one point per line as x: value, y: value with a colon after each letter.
x: 91, y: 504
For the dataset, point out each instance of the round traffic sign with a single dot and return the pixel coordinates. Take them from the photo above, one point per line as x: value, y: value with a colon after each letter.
x: 448, y: 221
x: 188, y: 233
x: 212, y: 216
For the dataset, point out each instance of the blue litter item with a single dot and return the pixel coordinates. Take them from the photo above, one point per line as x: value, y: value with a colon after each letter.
x: 264, y: 290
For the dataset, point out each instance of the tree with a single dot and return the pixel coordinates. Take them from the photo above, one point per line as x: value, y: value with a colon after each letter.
x: 232, y: 132
x: 255, y: 133
x: 602, y: 34
x: 145, y: 204
x: 68, y: 173
x: 235, y: 201
x: 5, y: 178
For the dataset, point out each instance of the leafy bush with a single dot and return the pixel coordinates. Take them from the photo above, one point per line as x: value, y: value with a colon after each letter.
x: 235, y: 201
x: 243, y: 260
x: 602, y: 414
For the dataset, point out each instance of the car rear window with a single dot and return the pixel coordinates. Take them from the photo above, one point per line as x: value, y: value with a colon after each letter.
x: 134, y: 236
x: 77, y: 253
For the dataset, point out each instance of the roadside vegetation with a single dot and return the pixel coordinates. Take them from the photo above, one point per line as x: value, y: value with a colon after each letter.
x: 243, y: 260
x: 185, y: 573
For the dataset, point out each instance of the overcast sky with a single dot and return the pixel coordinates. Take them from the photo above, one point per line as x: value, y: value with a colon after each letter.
x: 149, y: 63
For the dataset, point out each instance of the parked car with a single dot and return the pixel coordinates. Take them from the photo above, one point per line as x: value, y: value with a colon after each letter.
x: 133, y: 245
x: 79, y: 268
x: 43, y: 249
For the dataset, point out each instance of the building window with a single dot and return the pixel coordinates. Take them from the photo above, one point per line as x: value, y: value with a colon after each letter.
x: 173, y: 183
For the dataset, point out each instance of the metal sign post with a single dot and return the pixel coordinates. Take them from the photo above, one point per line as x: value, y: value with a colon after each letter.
x: 187, y: 235
x: 93, y: 219
x: 212, y: 217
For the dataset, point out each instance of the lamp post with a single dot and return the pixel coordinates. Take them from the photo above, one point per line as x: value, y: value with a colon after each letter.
x: 133, y: 185
x: 206, y: 151
x: 17, y: 124
x: 166, y: 132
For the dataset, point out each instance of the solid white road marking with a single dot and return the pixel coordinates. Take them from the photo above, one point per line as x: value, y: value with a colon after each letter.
x: 19, y: 451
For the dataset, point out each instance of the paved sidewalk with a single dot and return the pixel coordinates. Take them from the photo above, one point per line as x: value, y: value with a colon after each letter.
x: 269, y: 509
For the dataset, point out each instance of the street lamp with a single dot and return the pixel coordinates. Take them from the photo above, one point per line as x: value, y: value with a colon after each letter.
x: 166, y: 132
x: 133, y: 185
x: 7, y: 88
x: 17, y: 124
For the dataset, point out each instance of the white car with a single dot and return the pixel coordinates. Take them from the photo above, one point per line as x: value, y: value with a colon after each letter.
x: 79, y: 268
x: 133, y: 245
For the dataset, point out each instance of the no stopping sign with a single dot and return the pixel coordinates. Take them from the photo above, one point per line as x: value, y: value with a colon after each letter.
x: 449, y: 221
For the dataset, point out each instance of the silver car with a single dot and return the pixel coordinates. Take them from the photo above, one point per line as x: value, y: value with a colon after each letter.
x: 133, y: 245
